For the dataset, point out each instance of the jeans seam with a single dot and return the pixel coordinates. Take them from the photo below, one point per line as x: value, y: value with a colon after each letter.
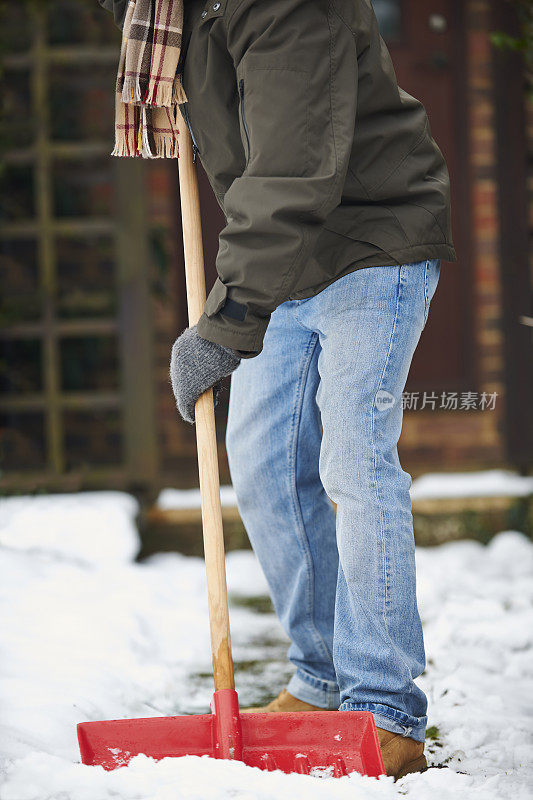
x: 426, y: 293
x: 374, y: 455
x: 297, y: 318
x: 374, y: 459
x: 304, y: 542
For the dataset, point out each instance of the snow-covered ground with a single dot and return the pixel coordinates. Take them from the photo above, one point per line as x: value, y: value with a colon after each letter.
x: 489, y: 483
x: 437, y: 485
x: 87, y: 633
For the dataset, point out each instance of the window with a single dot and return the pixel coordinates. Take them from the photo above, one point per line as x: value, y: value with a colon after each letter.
x: 389, y: 16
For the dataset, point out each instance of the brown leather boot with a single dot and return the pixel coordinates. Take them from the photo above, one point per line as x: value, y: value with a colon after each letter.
x: 401, y: 755
x: 284, y: 702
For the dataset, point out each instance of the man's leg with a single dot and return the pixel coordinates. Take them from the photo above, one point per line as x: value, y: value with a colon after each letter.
x: 369, y: 323
x: 273, y: 443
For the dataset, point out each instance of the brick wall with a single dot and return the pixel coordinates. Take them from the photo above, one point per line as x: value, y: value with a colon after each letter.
x: 471, y: 439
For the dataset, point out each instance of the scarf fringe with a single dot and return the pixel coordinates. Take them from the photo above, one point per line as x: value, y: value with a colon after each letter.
x: 124, y: 146
x: 137, y: 143
x: 166, y: 147
x: 158, y: 94
x: 178, y: 92
x: 131, y: 91
x: 162, y: 96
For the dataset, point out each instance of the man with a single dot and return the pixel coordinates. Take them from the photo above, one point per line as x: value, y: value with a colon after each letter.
x: 336, y: 199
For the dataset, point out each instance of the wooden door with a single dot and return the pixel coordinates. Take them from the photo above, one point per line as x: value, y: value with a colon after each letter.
x: 425, y: 40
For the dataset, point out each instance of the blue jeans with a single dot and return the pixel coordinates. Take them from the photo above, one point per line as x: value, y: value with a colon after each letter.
x: 344, y: 586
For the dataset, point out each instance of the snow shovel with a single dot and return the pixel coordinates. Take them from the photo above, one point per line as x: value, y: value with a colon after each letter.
x: 328, y: 742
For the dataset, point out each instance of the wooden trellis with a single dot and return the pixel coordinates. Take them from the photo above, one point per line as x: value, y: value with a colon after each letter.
x: 69, y: 404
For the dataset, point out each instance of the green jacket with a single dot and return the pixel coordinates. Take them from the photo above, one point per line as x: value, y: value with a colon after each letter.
x: 321, y: 164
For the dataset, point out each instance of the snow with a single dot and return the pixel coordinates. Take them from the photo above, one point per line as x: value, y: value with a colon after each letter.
x: 91, y: 526
x: 88, y: 633
x: 190, y: 498
x: 489, y: 483
x: 438, y: 485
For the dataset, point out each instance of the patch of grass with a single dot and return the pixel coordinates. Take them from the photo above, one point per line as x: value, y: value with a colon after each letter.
x: 262, y: 604
x: 433, y: 733
x: 256, y: 667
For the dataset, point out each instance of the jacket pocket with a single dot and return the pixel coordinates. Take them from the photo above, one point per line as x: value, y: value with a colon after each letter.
x: 217, y: 298
x: 274, y: 117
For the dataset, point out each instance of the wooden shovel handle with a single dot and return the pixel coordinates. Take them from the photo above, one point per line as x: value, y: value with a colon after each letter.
x: 205, y: 426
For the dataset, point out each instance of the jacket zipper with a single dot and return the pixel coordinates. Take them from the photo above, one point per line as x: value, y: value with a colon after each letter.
x: 195, y: 149
x: 243, y: 117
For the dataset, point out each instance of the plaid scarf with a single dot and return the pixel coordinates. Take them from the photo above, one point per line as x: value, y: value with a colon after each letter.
x: 148, y: 87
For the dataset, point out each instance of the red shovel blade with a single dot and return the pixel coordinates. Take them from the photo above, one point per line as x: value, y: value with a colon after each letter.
x: 336, y: 742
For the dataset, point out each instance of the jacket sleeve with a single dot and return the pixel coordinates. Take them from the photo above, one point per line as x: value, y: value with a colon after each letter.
x: 297, y: 132
x: 118, y: 8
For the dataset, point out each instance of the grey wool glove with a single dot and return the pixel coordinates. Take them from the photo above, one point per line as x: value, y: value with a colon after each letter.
x: 196, y: 365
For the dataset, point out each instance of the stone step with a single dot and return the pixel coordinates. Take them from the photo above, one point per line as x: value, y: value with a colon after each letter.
x: 436, y: 520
